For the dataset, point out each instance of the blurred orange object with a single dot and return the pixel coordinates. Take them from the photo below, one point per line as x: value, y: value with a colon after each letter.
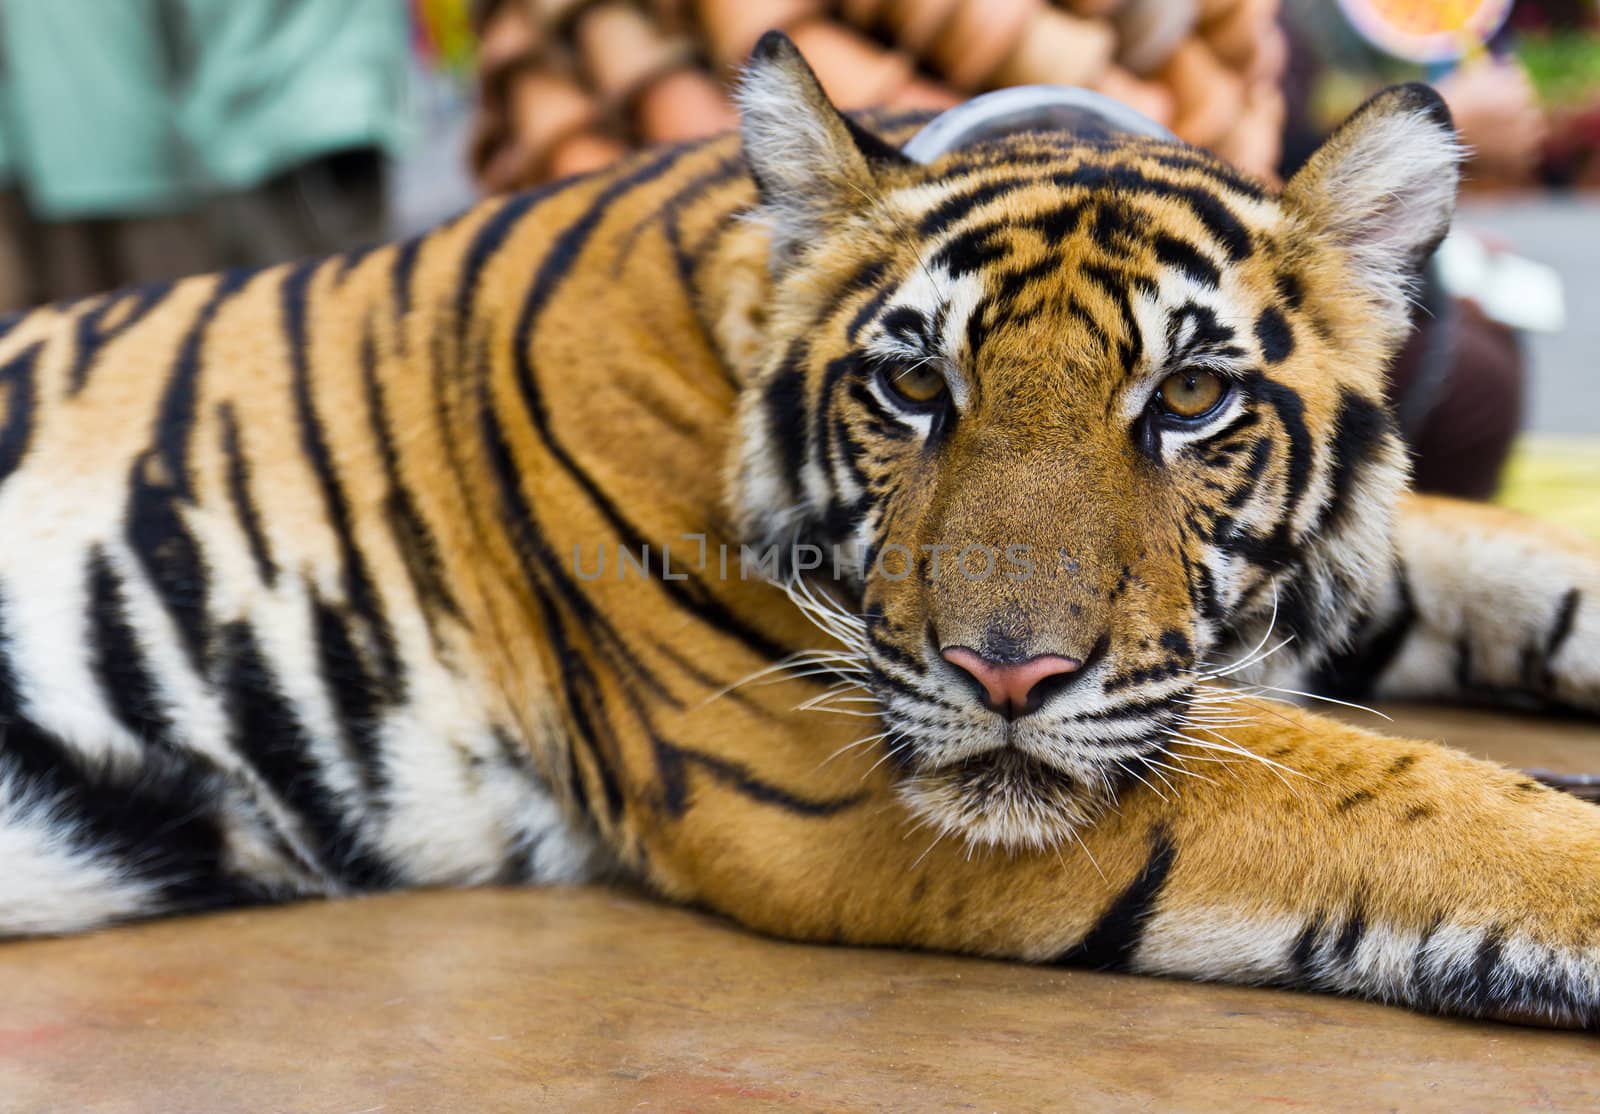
x: 979, y: 35
x: 567, y: 85
x: 1059, y: 49
x: 855, y: 71
x: 1238, y: 31
x: 583, y: 152
x: 684, y: 104
x: 916, y: 22
x: 732, y: 27
x: 623, y: 48
x: 1155, y: 101
x: 1210, y: 96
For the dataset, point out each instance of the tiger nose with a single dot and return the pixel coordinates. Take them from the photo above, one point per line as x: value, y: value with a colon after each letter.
x: 1014, y: 689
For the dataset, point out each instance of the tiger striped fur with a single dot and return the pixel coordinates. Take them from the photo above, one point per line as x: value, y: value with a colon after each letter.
x: 330, y: 577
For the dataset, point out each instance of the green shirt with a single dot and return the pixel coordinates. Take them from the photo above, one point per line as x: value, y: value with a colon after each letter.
x: 128, y: 107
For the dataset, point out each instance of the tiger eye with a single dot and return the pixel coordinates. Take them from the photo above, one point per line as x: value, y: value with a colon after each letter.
x: 1188, y: 394
x: 918, y: 383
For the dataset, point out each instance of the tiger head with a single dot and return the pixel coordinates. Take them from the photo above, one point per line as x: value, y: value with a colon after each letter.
x: 1083, y: 417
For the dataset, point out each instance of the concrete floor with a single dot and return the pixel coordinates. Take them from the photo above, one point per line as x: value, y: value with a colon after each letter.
x: 584, y: 999
x: 1564, y: 232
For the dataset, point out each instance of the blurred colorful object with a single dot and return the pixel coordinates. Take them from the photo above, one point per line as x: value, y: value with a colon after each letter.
x: 1556, y: 477
x: 443, y: 34
x: 569, y: 85
x: 1427, y: 31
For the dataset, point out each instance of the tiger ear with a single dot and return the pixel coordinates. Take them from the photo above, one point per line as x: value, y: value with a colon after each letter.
x: 810, y: 162
x: 1383, y: 188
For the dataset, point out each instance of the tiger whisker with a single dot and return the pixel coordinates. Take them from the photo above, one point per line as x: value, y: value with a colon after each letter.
x: 888, y: 752
x: 865, y: 739
x: 1257, y: 689
x: 1178, y: 769
x: 1135, y: 775
x: 1073, y: 832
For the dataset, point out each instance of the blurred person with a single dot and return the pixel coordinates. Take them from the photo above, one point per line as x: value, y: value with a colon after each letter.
x: 147, y: 139
x: 1458, y: 385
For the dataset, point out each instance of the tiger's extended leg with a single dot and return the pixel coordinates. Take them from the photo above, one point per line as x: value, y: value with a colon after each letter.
x: 1384, y: 867
x: 1486, y: 605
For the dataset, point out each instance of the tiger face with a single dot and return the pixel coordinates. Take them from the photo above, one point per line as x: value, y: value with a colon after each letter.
x: 1074, y: 421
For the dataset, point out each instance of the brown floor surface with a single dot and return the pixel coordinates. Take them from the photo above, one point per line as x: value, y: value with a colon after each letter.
x: 581, y: 999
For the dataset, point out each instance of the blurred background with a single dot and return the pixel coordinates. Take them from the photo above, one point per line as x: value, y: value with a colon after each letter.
x: 141, y: 140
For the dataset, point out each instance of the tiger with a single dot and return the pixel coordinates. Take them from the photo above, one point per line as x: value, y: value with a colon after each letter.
x: 867, y: 549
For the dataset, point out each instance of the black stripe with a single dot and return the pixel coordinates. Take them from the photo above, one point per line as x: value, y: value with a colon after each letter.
x: 691, y: 593
x: 1102, y: 179
x: 1463, y: 667
x: 17, y: 431
x: 267, y: 731
x: 346, y: 261
x: 543, y: 568
x: 1183, y: 159
x: 1279, y: 550
x: 419, y: 549
x: 824, y: 412
x: 244, y: 507
x: 1117, y: 286
x: 486, y: 243
x: 170, y: 556
x: 360, y: 591
x: 1352, y: 673
x: 1480, y: 992
x: 1350, y: 937
x: 1291, y: 412
x: 91, y: 337
x: 576, y: 685
x: 356, y: 695
x: 1566, y: 619
x: 1179, y: 253
x: 175, y: 417
x: 1137, y: 709
x: 160, y: 484
x: 1055, y: 225
x: 117, y: 659
x: 869, y: 308
x: 1090, y: 324
x: 11, y: 704
x: 783, y: 401
x: 1304, y: 952
x: 883, y: 424
x: 953, y: 208
x: 673, y: 762
x: 157, y: 819
x: 158, y: 822
x: 405, y: 265
x: 586, y: 705
x: 971, y: 250
x: 667, y: 214
x: 1211, y: 210
x: 1013, y: 282
x: 1360, y: 426
x: 1275, y: 335
x: 1111, y: 943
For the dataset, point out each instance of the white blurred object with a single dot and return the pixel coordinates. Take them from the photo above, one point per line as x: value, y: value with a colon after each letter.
x: 1517, y: 292
x: 429, y: 183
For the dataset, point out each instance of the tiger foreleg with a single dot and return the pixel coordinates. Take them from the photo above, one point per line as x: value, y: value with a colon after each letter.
x: 1486, y: 605
x: 1315, y: 856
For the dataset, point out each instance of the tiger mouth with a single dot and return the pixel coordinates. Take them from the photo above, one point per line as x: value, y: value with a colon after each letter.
x: 1003, y: 770
x: 1004, y: 798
